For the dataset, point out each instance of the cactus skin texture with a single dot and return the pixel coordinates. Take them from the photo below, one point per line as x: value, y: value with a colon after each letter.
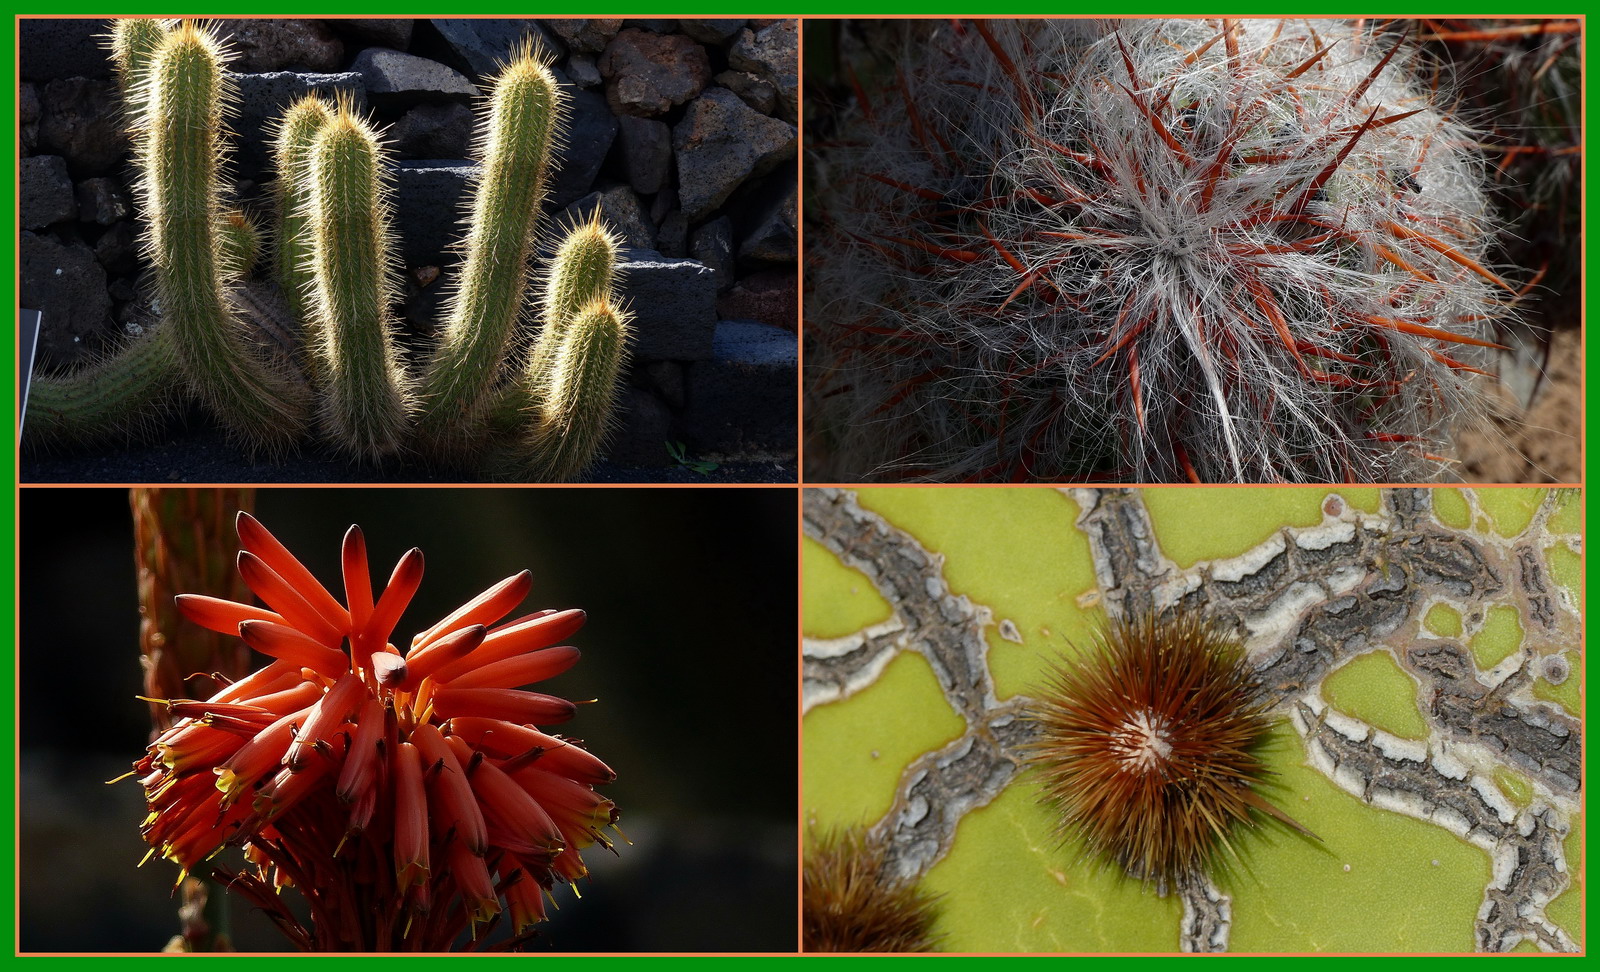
x: 291, y: 242
x: 366, y: 397
x: 577, y: 409
x: 526, y: 111
x: 180, y: 157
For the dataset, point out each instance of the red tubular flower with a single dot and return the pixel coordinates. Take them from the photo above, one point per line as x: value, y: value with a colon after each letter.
x: 405, y: 795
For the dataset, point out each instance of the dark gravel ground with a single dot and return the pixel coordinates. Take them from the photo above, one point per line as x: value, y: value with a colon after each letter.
x: 197, y: 451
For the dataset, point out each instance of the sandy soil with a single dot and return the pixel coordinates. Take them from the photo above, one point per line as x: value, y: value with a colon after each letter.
x: 1540, y: 444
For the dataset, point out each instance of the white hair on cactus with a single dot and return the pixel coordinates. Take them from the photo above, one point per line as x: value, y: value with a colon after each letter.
x: 1151, y: 250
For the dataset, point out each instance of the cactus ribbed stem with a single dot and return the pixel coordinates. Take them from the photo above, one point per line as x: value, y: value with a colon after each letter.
x: 578, y: 407
x: 291, y: 243
x: 133, y: 45
x: 525, y: 114
x: 180, y: 155
x: 366, y: 399
x: 112, y: 397
x: 582, y: 273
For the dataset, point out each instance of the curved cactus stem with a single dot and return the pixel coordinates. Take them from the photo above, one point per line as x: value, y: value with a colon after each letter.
x: 124, y: 394
x: 578, y: 406
x: 291, y: 246
x: 366, y: 398
x: 584, y: 271
x: 180, y: 154
x: 526, y: 112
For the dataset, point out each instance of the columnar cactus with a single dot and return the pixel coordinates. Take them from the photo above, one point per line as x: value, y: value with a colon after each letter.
x: 133, y: 43
x: 584, y: 270
x: 139, y: 383
x: 180, y: 157
x: 291, y: 242
x: 526, y: 111
x: 367, y: 397
x: 576, y: 403
x: 120, y: 394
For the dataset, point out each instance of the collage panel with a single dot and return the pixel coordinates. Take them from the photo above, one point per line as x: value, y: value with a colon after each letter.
x: 1284, y: 720
x: 1166, y: 250
x: 917, y: 644
x: 394, y: 250
x: 488, y: 789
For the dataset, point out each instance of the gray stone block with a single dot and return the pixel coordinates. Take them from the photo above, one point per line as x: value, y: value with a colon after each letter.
x: 391, y: 32
x: 713, y: 32
x: 430, y: 207
x: 620, y: 210
x: 743, y: 399
x: 591, y: 130
x: 101, y: 200
x: 773, y: 54
x: 50, y: 49
x: 483, y: 46
x: 391, y: 76
x: 674, y: 305
x: 68, y: 285
x: 774, y: 234
x: 646, y: 152
x: 262, y: 99
x: 80, y: 121
x: 644, y: 427
x: 720, y: 143
x: 433, y: 132
x: 281, y: 44
x: 712, y: 244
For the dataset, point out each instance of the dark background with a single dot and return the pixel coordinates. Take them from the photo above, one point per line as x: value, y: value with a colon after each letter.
x: 689, y: 649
